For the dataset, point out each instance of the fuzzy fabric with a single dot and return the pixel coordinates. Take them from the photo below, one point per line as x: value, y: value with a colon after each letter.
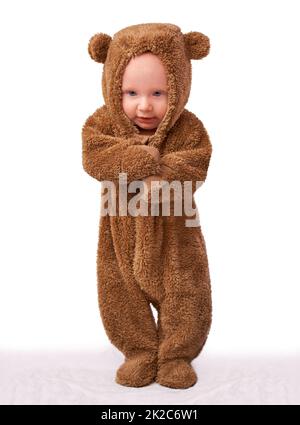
x: 151, y: 259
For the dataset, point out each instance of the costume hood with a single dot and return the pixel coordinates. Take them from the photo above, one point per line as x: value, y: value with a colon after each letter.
x: 173, y: 48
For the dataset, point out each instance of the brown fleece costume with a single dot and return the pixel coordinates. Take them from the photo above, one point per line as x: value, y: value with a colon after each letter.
x: 151, y: 259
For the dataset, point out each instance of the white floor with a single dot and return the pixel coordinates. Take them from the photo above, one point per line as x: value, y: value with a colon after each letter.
x: 88, y: 378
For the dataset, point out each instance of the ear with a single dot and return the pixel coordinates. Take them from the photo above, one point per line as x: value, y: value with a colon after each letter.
x: 197, y: 45
x: 98, y: 47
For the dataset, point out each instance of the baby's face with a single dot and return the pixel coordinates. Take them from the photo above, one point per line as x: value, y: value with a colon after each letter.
x: 144, y: 91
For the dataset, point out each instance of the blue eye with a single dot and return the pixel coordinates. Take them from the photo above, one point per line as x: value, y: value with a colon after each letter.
x: 131, y: 93
x: 157, y: 93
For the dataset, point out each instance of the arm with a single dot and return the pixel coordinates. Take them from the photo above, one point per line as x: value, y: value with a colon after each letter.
x: 105, y: 156
x: 191, y: 163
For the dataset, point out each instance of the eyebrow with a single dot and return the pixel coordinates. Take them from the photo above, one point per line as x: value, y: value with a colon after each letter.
x: 154, y: 89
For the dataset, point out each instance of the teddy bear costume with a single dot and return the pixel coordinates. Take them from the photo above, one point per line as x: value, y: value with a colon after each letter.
x: 150, y: 259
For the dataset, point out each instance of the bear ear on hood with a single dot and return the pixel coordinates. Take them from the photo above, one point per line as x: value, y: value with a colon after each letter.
x: 98, y: 47
x: 197, y: 44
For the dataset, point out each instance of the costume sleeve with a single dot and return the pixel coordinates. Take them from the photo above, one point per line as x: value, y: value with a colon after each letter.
x: 104, y: 156
x: 191, y: 163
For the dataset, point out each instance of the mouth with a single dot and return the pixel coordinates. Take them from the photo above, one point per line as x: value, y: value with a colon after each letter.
x: 146, y: 119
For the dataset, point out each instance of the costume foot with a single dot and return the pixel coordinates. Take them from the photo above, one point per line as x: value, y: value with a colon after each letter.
x: 137, y: 371
x: 176, y: 374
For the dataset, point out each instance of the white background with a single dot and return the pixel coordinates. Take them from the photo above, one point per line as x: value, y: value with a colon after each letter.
x: 246, y: 92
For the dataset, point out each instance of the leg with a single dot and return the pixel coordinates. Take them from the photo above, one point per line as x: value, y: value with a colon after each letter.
x: 185, y: 315
x: 126, y: 316
x: 184, y: 323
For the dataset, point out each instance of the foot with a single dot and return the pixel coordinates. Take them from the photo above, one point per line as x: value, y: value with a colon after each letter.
x: 176, y: 374
x: 137, y: 371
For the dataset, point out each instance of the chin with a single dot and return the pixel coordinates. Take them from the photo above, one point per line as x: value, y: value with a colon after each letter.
x: 148, y: 128
x: 144, y: 130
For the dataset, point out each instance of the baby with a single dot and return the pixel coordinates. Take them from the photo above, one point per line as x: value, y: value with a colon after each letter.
x: 145, y: 92
x: 144, y: 131
x: 145, y: 102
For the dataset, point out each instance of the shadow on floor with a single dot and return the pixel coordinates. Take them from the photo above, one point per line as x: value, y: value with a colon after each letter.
x: 60, y: 377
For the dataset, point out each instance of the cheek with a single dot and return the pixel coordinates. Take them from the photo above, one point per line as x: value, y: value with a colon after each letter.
x: 163, y: 107
x: 127, y: 106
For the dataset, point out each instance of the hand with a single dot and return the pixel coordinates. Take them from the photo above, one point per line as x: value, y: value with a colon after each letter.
x: 158, y: 181
x: 152, y: 184
x: 154, y: 152
x: 165, y: 171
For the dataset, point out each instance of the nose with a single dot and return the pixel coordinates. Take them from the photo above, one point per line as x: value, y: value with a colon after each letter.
x: 145, y: 104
